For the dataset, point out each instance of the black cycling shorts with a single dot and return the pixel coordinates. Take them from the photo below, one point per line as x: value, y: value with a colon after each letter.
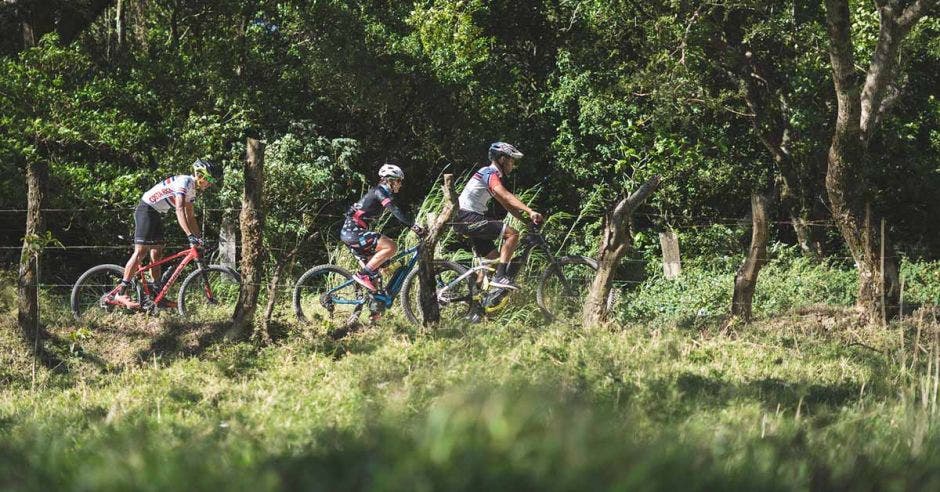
x: 361, y: 241
x: 148, y: 225
x: 482, y: 231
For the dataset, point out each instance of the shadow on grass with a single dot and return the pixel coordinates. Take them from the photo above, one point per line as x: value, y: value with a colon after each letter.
x: 184, y: 339
x: 693, y: 392
x: 53, y: 352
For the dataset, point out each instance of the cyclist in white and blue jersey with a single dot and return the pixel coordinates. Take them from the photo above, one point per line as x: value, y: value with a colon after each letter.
x: 482, y: 231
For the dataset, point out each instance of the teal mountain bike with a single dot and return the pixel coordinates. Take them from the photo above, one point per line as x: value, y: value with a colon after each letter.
x: 328, y: 294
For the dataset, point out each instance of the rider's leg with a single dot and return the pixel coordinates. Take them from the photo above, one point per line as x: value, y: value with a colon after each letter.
x: 156, y: 254
x: 121, y: 297
x: 140, y: 251
x: 385, y: 248
x: 492, y: 255
x: 510, y: 242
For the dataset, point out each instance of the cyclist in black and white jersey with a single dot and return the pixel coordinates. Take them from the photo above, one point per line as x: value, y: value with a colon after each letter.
x: 373, y: 247
x: 175, y: 192
x: 483, y: 232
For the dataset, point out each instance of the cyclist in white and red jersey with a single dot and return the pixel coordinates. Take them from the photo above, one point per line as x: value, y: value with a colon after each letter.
x: 175, y: 192
x: 471, y: 219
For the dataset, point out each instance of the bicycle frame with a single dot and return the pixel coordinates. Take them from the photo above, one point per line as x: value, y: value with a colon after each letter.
x: 394, y: 284
x: 531, y: 240
x: 187, y: 255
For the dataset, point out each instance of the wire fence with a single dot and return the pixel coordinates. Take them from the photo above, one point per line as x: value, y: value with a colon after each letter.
x: 62, y: 254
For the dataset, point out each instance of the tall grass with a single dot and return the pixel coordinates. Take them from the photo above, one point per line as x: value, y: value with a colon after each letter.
x: 787, y: 405
x: 807, y: 397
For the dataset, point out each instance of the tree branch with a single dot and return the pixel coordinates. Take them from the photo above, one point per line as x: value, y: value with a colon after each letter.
x: 840, y: 48
x: 891, y: 32
x: 913, y: 13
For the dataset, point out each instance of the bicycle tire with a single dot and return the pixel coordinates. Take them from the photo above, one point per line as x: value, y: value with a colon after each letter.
x: 306, y: 291
x: 411, y: 300
x: 542, y: 296
x: 225, y: 297
x: 112, y: 273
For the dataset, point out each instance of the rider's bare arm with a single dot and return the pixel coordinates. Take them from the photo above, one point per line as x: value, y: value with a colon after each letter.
x: 513, y: 205
x: 186, y: 216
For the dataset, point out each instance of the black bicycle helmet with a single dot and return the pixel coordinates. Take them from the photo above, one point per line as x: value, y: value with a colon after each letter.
x: 207, y: 167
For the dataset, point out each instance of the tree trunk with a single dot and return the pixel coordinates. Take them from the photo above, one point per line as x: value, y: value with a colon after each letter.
x: 616, y: 239
x: 252, y: 227
x: 427, y: 287
x: 37, y: 21
x: 860, y: 108
x: 745, y: 282
x: 68, y: 19
x: 265, y: 331
x: 37, y: 177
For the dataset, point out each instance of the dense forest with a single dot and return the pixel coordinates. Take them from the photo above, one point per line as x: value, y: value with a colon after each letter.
x: 723, y: 100
x: 797, y: 139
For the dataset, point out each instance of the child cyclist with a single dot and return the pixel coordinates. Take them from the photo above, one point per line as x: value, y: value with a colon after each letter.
x: 372, y: 247
x: 177, y: 193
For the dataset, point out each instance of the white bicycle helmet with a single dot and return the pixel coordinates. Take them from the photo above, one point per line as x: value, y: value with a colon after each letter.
x: 498, y: 149
x: 391, y: 171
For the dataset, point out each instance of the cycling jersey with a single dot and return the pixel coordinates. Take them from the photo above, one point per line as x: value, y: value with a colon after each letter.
x: 163, y: 195
x: 371, y: 206
x: 476, y: 195
x: 355, y: 232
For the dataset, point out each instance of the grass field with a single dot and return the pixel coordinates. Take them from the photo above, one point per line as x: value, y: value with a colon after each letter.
x: 807, y: 398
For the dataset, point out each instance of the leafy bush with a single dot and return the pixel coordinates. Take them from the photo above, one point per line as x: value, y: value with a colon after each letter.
x: 921, y: 282
x: 706, y: 284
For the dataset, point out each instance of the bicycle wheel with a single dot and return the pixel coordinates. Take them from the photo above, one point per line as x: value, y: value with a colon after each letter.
x: 327, y: 293
x: 455, y: 298
x: 210, y: 295
x: 87, y: 299
x: 561, y: 294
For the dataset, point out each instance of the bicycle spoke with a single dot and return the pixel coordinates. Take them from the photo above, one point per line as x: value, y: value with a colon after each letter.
x: 563, y: 289
x: 92, y: 293
x: 210, y: 295
x: 327, y: 295
x: 455, y: 298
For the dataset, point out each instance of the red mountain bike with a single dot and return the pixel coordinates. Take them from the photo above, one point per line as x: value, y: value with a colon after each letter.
x: 209, y: 293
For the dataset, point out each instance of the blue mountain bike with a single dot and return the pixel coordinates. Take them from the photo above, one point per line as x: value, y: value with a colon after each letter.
x: 328, y: 294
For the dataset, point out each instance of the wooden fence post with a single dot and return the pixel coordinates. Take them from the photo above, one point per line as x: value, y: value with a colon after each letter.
x: 37, y: 173
x: 228, y: 243
x: 672, y: 264
x: 252, y: 227
x: 427, y: 287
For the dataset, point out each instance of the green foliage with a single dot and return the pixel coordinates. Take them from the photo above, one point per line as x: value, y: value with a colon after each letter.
x: 921, y: 282
x: 306, y: 175
x: 450, y: 39
x: 599, y: 96
x: 705, y: 286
